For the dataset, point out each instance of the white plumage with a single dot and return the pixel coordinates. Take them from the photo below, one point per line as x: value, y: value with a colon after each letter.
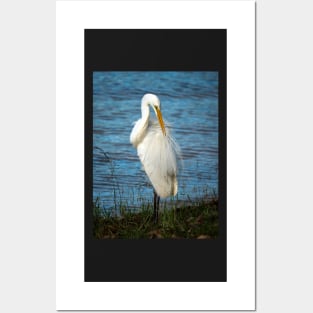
x: 156, y: 148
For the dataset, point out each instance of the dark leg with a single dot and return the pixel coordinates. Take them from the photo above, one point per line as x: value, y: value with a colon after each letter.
x: 156, y: 204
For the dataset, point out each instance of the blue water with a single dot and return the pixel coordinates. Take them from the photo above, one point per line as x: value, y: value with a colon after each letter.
x: 189, y: 103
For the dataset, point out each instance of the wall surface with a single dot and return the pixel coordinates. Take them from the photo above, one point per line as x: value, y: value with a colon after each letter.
x: 284, y: 154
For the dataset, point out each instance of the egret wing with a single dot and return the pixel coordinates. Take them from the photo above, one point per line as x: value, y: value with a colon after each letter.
x: 159, y: 156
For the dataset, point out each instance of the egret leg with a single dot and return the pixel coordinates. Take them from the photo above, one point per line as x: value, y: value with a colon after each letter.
x: 156, y: 205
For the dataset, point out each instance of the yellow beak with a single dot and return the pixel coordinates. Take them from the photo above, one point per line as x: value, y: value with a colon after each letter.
x: 160, y: 118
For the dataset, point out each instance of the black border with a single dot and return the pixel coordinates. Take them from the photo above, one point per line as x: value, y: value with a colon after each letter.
x: 155, y: 260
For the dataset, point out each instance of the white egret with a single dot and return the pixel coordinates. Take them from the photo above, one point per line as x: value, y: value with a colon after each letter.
x: 157, y: 150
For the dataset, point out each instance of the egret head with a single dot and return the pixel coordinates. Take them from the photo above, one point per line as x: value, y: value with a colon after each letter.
x: 154, y: 102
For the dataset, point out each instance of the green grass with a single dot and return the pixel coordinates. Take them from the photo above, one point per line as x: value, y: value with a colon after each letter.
x: 193, y: 220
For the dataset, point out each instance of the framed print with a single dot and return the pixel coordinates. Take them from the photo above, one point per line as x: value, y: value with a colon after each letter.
x: 155, y: 155
x: 118, y: 194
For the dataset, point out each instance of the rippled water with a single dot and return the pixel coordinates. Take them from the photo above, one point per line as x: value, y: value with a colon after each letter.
x: 189, y: 102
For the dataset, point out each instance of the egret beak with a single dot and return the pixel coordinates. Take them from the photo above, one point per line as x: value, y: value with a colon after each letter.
x: 160, y: 118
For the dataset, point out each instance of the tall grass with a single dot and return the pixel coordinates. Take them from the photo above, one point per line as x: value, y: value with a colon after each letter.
x: 197, y: 220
